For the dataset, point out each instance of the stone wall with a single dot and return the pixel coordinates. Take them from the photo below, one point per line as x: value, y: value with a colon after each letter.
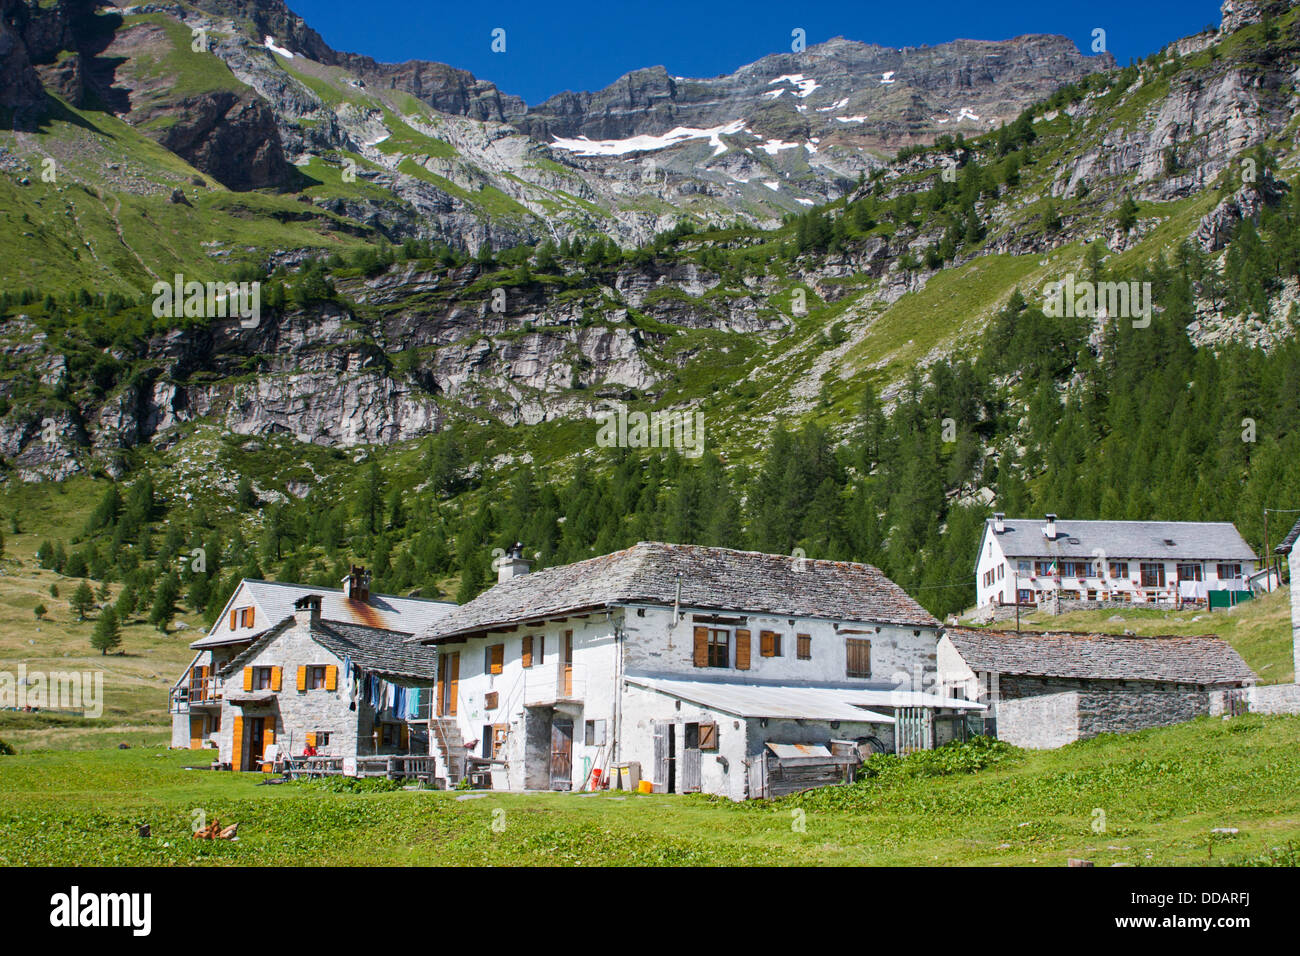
x: 1039, y: 723
x: 1050, y: 712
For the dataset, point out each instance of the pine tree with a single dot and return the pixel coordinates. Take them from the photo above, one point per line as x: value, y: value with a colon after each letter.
x: 107, y: 635
x: 164, y: 602
x: 82, y: 600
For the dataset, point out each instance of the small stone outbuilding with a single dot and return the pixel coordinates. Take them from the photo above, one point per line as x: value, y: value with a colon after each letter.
x: 1047, y: 689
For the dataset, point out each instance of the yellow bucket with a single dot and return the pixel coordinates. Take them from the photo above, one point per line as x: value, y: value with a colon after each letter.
x: 645, y: 786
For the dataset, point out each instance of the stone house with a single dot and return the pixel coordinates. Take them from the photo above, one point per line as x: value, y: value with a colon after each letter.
x: 346, y: 690
x: 196, y: 698
x: 1046, y: 689
x: 1066, y: 565
x: 702, y: 667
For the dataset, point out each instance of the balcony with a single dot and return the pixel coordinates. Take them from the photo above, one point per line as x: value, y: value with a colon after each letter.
x: 195, y: 692
x: 554, y: 682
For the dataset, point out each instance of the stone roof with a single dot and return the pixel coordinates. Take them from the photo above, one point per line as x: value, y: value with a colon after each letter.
x: 1289, y: 541
x: 710, y: 578
x: 1192, y: 540
x: 372, y: 649
x: 387, y: 611
x: 1184, y: 660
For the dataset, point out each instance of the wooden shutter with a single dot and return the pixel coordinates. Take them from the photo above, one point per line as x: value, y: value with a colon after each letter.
x: 805, y: 647
x: 268, y: 735
x: 248, y: 678
x: 404, y: 740
x: 311, y: 738
x: 237, y: 744
x: 708, y: 737
x: 277, y: 674
x: 438, y: 689
x: 302, y: 677
x: 526, y: 655
x: 858, y: 657
x: 498, y: 658
x: 490, y: 700
x: 196, y: 732
x: 742, y: 649
x: 767, y: 643
x: 332, y: 677
x: 454, y: 689
x: 247, y: 617
x: 701, y: 646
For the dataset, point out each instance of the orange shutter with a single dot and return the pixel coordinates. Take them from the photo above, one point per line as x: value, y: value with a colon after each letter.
x: 248, y: 678
x: 701, y: 647
x: 196, y: 733
x: 237, y: 744
x: 302, y: 676
x: 311, y: 738
x: 742, y: 649
x: 268, y: 735
x: 332, y: 677
x: 526, y: 655
x: 453, y: 692
x: 767, y: 643
x: 276, y: 674
x: 234, y: 619
x: 498, y: 658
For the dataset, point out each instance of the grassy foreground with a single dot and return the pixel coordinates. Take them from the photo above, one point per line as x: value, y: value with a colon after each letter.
x: 1162, y: 792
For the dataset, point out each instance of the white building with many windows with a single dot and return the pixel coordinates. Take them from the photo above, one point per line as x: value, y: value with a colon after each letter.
x: 695, y: 668
x: 1030, y: 561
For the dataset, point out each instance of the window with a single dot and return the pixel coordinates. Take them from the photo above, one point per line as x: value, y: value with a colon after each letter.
x: 490, y: 700
x: 858, y: 657
x: 1153, y: 574
x: 241, y: 617
x: 318, y: 738
x: 499, y: 732
x: 1190, y: 572
x: 539, y: 649
x: 595, y: 733
x: 1043, y: 568
x: 494, y: 658
x: 708, y: 736
x: 1024, y: 567
x: 803, y: 645
x: 1119, y: 569
x: 261, y: 678
x: 769, y: 644
x: 390, y: 735
x: 1025, y: 596
x: 719, y: 647
x: 1228, y: 571
x: 316, y: 678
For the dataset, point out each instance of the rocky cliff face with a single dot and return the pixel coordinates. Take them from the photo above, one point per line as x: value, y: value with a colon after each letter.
x: 840, y: 90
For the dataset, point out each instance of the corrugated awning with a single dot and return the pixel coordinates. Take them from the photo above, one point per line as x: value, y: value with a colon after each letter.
x: 797, y: 703
x: 800, y: 751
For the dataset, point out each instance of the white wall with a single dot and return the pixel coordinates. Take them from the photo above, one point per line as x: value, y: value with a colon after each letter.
x: 655, y: 646
x: 595, y: 664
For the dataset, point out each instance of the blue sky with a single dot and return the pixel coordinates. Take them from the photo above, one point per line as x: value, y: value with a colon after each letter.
x: 554, y: 46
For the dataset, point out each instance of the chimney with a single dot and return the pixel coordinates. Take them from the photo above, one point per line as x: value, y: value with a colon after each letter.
x: 512, y: 564
x: 306, y: 610
x: 1049, y: 529
x: 356, y: 586
x: 999, y: 522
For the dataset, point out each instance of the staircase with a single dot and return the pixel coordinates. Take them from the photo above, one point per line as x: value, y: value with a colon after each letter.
x: 449, y: 747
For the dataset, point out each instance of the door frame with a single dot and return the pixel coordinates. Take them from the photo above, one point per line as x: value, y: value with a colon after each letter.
x: 558, y: 723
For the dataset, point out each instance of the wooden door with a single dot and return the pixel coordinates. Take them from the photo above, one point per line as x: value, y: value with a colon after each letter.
x: 568, y: 665
x: 691, y: 759
x: 256, y: 737
x: 665, y: 755
x: 448, y: 684
x: 562, y: 753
